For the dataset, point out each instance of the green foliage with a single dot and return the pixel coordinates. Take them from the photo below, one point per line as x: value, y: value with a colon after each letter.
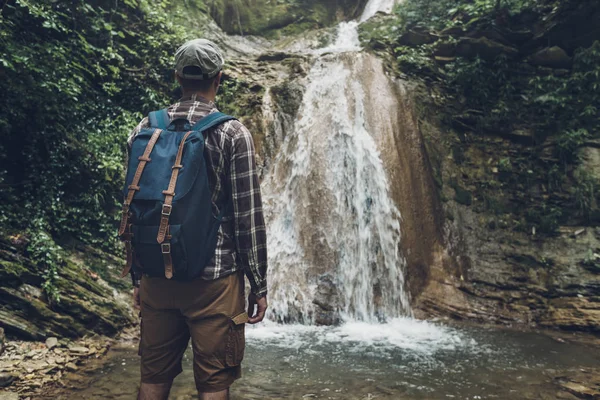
x: 47, y: 255
x: 568, y: 104
x: 592, y: 261
x: 545, y: 218
x: 585, y: 192
x: 488, y: 88
x: 568, y: 143
x: 440, y: 14
x: 80, y: 76
x: 417, y: 59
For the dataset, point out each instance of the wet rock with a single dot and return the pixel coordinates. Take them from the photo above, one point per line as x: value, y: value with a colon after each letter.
x: 552, y: 57
x: 51, y: 343
x: 2, y: 340
x: 327, y: 302
x: 580, y: 390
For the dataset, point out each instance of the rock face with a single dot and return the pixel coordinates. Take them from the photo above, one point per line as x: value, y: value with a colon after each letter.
x: 86, y: 305
x: 484, y: 273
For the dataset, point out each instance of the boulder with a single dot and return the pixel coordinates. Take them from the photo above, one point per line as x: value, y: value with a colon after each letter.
x: 491, y: 34
x: 413, y: 38
x: 552, y: 57
x: 482, y: 47
x: 445, y: 49
x: 327, y: 302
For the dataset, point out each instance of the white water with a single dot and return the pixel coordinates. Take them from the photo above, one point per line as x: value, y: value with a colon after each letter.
x: 375, y: 6
x: 346, y: 39
x: 419, y: 338
x: 334, y: 231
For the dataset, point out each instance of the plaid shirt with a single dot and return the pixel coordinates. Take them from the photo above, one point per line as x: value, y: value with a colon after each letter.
x: 233, y: 178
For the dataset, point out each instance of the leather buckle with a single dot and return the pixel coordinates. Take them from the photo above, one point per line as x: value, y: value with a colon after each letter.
x: 166, y: 210
x: 165, y: 248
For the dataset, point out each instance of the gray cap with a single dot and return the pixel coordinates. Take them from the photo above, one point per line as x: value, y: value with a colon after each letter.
x: 200, y: 53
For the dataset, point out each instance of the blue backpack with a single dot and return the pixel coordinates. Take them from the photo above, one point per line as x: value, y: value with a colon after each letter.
x: 167, y: 222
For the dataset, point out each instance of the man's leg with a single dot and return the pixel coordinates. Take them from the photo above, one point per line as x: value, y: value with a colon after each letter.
x: 222, y: 395
x: 159, y: 391
x: 216, y: 319
x: 164, y: 338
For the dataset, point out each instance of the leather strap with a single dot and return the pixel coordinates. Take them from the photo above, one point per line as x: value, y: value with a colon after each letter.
x: 170, y: 193
x: 125, y: 228
x: 167, y: 259
x: 134, y: 187
x: 165, y: 249
x: 127, y: 237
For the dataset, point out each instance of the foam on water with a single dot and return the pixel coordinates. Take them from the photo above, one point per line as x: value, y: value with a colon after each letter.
x: 418, y: 338
x: 346, y: 39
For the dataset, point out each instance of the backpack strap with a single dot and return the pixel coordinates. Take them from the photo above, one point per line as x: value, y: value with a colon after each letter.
x: 211, y: 120
x: 125, y: 227
x: 159, y: 119
x: 205, y: 123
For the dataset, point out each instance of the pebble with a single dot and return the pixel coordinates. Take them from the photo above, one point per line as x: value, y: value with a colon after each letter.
x: 51, y: 343
x: 79, y: 350
x: 71, y: 367
x: 27, y: 367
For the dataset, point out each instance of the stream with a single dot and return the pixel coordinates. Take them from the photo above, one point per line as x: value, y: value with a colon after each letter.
x: 403, y: 359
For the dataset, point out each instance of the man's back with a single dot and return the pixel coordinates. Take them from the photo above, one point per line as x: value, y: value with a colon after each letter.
x: 231, y: 168
x: 209, y: 310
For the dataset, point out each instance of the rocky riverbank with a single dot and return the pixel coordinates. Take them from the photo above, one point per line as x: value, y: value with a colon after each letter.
x: 30, y: 370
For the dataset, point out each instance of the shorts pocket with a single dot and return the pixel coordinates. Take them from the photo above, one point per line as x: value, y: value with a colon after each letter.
x: 236, y: 341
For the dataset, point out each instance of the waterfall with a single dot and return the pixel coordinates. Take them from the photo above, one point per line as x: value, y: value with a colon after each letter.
x: 333, y: 229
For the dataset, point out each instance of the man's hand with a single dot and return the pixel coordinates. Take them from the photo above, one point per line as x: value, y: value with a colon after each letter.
x: 136, y: 298
x: 261, y: 308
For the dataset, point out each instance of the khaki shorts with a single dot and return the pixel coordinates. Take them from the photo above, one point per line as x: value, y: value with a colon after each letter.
x: 210, y: 312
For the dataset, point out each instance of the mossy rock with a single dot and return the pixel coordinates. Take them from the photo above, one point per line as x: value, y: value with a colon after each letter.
x: 87, y: 304
x: 274, y: 19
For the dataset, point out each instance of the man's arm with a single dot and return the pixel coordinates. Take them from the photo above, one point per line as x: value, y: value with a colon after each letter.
x: 250, y: 232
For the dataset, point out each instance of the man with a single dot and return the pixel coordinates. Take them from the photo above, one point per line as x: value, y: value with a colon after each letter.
x: 210, y: 310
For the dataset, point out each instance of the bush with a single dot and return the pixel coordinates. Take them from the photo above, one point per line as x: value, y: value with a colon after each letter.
x: 80, y: 75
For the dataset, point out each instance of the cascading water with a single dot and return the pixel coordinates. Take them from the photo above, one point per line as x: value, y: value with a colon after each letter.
x: 334, y: 231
